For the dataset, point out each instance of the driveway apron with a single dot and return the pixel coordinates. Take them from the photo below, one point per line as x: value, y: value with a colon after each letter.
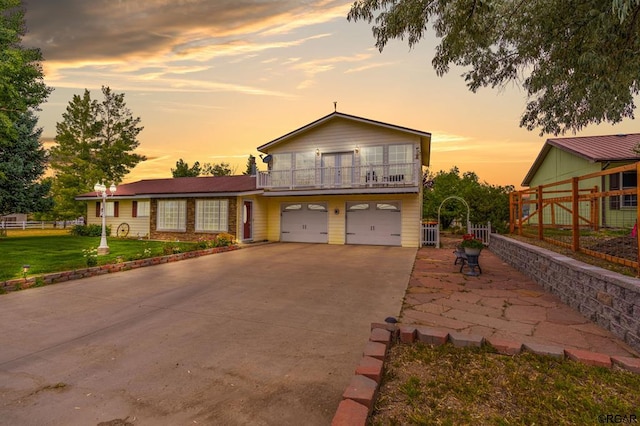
x: 264, y: 335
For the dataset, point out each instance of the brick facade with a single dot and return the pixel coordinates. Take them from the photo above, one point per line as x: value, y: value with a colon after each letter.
x: 190, y: 234
x: 609, y: 299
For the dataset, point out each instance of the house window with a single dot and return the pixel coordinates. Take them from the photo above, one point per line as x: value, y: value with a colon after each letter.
x: 624, y: 180
x: 371, y: 155
x: 400, y: 162
x: 172, y: 215
x: 111, y: 209
x: 281, y: 161
x: 629, y: 180
x: 400, y: 154
x: 305, y: 173
x: 141, y: 209
x: 281, y: 170
x: 212, y: 215
x: 371, y: 164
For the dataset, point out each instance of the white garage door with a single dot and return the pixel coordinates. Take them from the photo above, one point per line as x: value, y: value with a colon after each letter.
x: 304, y: 223
x: 376, y: 223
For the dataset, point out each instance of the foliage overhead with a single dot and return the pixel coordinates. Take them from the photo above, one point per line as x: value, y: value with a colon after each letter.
x: 22, y: 85
x: 22, y: 90
x: 95, y: 143
x: 486, y: 202
x: 577, y: 60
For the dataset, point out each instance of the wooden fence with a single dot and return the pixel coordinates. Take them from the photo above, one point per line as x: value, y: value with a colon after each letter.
x: 595, y: 214
x: 40, y: 224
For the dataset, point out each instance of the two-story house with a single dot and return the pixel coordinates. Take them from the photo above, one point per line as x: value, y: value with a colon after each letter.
x: 341, y: 179
x: 344, y: 179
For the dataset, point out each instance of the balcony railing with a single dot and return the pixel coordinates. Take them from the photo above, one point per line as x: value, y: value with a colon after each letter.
x: 387, y: 175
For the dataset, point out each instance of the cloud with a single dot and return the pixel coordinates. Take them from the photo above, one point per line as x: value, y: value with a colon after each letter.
x: 317, y: 66
x: 149, y: 44
x: 368, y: 67
x: 106, y: 30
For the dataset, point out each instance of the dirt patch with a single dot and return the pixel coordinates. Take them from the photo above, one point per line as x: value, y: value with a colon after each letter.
x: 622, y: 247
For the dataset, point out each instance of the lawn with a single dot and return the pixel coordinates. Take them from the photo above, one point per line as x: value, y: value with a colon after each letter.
x: 445, y: 385
x: 53, y: 250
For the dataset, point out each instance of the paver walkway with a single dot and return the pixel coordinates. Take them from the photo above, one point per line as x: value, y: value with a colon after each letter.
x: 500, y: 303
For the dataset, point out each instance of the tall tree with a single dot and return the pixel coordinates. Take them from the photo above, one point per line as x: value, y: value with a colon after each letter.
x: 208, y: 169
x: 22, y: 165
x: 183, y: 170
x: 22, y: 90
x: 95, y: 142
x: 217, y: 169
x: 487, y: 202
x: 251, y: 166
x: 577, y: 59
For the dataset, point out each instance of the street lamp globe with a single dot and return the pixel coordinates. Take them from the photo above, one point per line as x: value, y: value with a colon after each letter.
x: 101, y: 191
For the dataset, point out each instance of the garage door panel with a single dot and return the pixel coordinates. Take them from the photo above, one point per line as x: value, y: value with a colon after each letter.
x: 304, y: 223
x: 374, y: 223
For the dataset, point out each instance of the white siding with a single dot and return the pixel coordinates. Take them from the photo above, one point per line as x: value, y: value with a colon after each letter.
x: 342, y: 135
x: 138, y: 226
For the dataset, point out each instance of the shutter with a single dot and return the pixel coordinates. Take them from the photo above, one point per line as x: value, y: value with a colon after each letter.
x: 116, y: 204
x: 97, y: 208
x: 134, y: 209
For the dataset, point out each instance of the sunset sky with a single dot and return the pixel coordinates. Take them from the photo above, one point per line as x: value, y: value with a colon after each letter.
x: 213, y: 79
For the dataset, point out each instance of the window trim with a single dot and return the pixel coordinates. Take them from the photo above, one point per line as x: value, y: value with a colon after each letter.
x: 217, y: 224
x: 181, y: 216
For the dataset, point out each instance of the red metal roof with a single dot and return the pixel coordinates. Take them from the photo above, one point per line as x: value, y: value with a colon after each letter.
x: 600, y: 148
x: 592, y: 148
x: 185, y: 185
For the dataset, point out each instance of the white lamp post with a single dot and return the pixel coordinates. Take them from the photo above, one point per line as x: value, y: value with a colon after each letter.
x: 101, y: 189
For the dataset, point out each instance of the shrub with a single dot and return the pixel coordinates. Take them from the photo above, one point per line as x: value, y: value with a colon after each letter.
x: 171, y: 248
x: 224, y: 240
x: 89, y: 230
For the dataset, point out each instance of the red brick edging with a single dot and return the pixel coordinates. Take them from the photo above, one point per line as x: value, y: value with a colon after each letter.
x: 359, y: 397
x: 58, y: 277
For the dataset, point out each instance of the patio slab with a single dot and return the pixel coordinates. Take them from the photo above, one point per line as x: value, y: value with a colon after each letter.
x: 500, y: 303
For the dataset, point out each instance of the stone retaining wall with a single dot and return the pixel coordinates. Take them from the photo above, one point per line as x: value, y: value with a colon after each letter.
x: 608, y: 299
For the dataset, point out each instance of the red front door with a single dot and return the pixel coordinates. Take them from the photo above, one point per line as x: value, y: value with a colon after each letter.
x: 247, y: 219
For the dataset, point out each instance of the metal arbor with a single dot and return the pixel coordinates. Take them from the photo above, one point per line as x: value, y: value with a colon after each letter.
x: 455, y: 197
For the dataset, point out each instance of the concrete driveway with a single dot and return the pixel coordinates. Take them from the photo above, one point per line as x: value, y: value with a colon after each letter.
x: 264, y: 335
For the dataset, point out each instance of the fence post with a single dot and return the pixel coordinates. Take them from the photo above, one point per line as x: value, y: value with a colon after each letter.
x: 512, y: 215
x: 575, y: 216
x: 540, y: 206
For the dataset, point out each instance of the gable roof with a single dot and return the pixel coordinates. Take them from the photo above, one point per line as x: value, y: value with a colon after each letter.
x: 425, y: 137
x: 591, y: 148
x: 175, y: 187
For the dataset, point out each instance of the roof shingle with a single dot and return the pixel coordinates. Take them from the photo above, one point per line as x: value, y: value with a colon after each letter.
x: 185, y: 185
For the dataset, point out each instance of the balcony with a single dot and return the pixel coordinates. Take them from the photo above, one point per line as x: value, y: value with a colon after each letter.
x: 397, y: 175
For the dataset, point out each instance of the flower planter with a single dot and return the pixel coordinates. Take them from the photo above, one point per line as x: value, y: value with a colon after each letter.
x: 472, y: 251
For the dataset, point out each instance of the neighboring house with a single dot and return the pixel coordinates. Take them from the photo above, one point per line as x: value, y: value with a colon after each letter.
x: 564, y: 158
x: 182, y: 208
x: 14, y: 218
x: 344, y: 179
x: 341, y: 179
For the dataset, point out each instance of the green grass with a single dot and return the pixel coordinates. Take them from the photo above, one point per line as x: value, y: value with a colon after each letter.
x: 56, y: 250
x: 446, y: 385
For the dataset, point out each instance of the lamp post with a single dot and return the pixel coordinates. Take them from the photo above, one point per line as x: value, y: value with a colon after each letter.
x: 101, y: 190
